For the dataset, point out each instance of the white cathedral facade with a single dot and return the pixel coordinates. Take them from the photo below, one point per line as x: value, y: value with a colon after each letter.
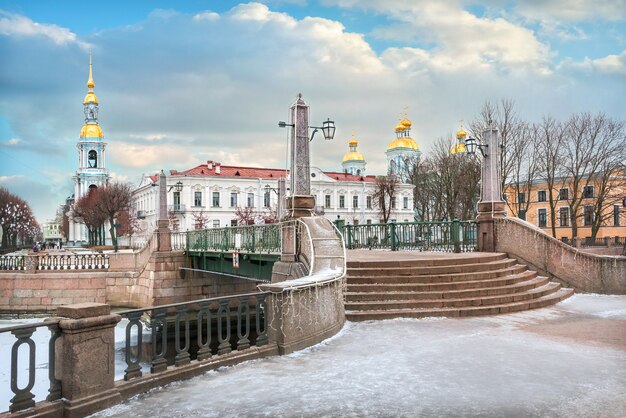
x: 212, y: 195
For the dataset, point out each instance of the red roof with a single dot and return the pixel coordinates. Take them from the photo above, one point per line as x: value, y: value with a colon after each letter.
x: 257, y: 172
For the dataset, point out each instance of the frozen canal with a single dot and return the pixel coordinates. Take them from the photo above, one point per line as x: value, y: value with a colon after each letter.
x: 564, y: 361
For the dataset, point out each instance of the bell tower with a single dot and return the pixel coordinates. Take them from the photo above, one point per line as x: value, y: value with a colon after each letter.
x: 91, y: 172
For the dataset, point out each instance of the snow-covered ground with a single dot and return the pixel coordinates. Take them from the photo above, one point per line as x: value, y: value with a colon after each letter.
x: 564, y: 361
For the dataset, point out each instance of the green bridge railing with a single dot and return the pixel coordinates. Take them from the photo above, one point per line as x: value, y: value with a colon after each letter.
x: 263, y: 239
x: 446, y: 236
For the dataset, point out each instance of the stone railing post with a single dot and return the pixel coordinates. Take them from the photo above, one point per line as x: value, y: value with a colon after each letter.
x: 86, y: 358
x: 31, y: 263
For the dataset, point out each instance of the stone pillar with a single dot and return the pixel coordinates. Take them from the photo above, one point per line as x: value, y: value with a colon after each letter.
x: 87, y: 358
x: 164, y: 242
x: 490, y: 205
x: 300, y: 203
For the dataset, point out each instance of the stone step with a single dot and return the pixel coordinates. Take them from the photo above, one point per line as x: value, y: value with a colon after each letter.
x: 384, y: 294
x: 431, y: 270
x: 515, y: 306
x: 390, y: 304
x: 438, y: 278
x: 469, y: 258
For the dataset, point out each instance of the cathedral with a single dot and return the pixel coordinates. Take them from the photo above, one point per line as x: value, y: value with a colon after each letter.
x: 91, y: 172
x: 402, y: 152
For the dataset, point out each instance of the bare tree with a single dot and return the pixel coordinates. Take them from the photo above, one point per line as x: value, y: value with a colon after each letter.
x: 200, y: 219
x: 245, y: 215
x: 86, y: 211
x: 113, y: 199
x: 385, y: 189
x: 524, y: 166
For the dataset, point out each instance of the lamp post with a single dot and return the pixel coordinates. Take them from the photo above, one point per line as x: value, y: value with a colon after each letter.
x: 490, y: 206
x: 301, y: 202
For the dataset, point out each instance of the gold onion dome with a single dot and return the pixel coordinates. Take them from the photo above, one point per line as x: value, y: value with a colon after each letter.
x: 91, y: 131
x: 403, y: 142
x: 353, y: 155
x: 399, y: 127
x: 406, y: 123
x: 461, y: 134
x: 90, y: 97
x: 458, y: 148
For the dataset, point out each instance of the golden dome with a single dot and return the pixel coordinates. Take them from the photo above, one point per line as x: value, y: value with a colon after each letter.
x: 458, y: 148
x: 90, y: 97
x: 461, y: 134
x: 399, y: 127
x: 406, y: 123
x: 353, y: 142
x: 91, y: 131
x: 353, y: 156
x: 403, y: 142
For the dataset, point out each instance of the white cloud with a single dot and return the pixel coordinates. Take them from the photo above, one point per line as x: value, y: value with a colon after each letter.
x: 210, y: 16
x: 614, y: 64
x: 12, y: 142
x: 572, y: 10
x: 21, y: 26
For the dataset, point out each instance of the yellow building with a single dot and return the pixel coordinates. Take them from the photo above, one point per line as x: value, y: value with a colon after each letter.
x: 534, y: 206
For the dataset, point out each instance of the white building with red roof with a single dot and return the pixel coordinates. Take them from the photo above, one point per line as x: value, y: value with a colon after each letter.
x: 214, y: 195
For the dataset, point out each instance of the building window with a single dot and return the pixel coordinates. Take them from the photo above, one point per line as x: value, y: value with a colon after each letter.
x: 92, y: 157
x: 197, y: 198
x: 522, y: 215
x: 563, y: 216
x: 250, y: 200
x: 233, y: 200
x: 355, y: 201
x: 542, y: 216
x: 588, y: 215
x: 176, y: 200
x: 393, y: 203
x: 342, y: 201
x: 563, y: 194
x: 616, y: 215
x: 405, y: 202
x: 521, y: 198
x: 216, y: 223
x: 587, y: 192
x: 369, y: 202
x: 355, y: 222
x: 216, y: 199
x: 369, y: 222
x: 541, y: 196
x: 327, y: 201
x: 233, y: 222
x: 266, y: 199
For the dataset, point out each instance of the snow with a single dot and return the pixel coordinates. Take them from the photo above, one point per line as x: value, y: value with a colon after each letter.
x: 505, y: 365
x: 491, y: 366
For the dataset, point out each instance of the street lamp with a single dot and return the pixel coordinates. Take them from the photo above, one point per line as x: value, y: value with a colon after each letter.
x: 327, y: 128
x: 471, y: 144
x: 178, y: 187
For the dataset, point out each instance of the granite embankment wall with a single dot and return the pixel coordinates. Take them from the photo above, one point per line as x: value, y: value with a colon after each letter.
x: 581, y: 270
x: 132, y: 281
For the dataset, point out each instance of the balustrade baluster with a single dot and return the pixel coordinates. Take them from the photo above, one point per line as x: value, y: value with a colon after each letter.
x: 204, y: 351
x: 133, y: 368
x: 243, y: 313
x: 223, y: 313
x: 54, y: 392
x: 159, y: 323
x: 23, y: 398
x: 261, y: 307
x: 182, y: 353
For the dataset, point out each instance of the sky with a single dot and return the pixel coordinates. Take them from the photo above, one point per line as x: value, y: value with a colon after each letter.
x: 180, y: 83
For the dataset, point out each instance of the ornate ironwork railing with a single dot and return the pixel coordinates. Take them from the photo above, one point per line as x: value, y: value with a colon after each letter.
x: 23, y: 396
x: 211, y: 320
x: 445, y: 236
x: 252, y: 238
x: 12, y: 262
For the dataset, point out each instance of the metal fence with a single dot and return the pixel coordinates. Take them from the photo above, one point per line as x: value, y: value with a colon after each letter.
x: 211, y: 320
x: 446, y: 236
x: 252, y: 239
x: 23, y: 396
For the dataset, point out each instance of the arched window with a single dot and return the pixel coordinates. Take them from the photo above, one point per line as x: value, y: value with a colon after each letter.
x: 92, y: 159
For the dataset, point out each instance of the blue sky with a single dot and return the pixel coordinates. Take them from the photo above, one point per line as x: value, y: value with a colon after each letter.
x: 183, y: 82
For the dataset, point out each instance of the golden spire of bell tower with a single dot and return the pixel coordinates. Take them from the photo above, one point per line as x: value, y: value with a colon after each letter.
x: 90, y: 83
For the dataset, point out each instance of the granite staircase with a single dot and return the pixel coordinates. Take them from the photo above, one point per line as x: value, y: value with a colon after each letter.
x: 475, y: 284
